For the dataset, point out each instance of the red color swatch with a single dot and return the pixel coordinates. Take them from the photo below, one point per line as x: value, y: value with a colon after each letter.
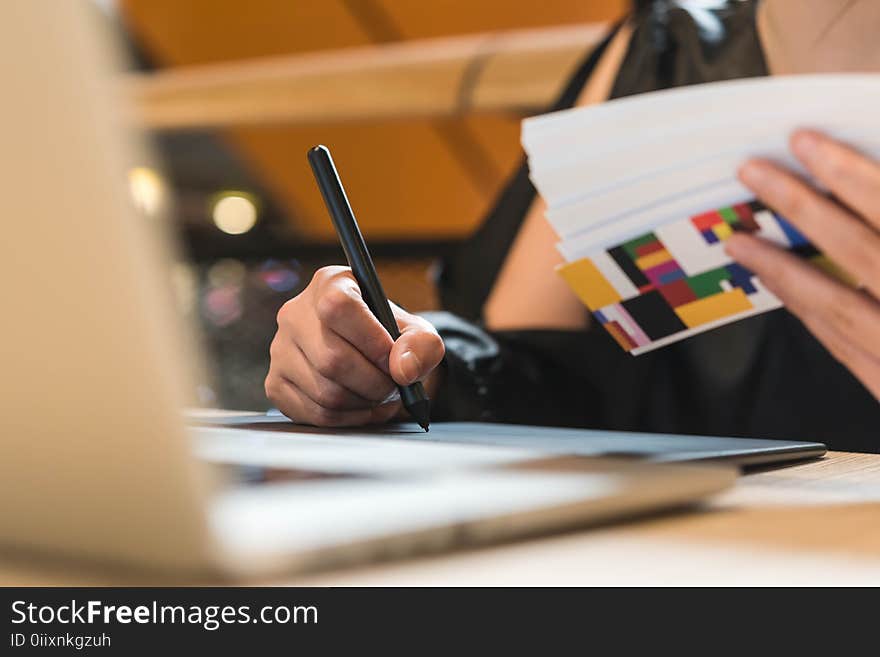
x: 706, y: 220
x: 677, y: 293
x: 650, y: 247
x: 746, y: 218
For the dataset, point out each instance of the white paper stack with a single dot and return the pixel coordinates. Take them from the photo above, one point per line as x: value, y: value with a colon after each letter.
x: 642, y: 192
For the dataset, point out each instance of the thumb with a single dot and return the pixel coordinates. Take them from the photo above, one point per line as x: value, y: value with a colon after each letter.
x: 417, y: 351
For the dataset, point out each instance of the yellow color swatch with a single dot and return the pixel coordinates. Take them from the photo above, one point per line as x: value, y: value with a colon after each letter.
x: 717, y: 306
x: 722, y: 231
x: 588, y: 283
x: 653, y: 259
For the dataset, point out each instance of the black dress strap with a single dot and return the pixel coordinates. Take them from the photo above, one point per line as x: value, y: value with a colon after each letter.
x: 465, y: 279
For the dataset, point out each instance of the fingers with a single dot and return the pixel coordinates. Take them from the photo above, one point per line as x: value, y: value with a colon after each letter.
x: 292, y: 365
x: 417, y: 352
x: 335, y: 359
x: 809, y: 292
x: 849, y: 175
x: 845, y: 239
x: 332, y: 361
x: 291, y: 401
x: 340, y: 307
x: 845, y: 320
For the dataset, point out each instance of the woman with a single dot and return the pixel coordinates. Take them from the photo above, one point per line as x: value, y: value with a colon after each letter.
x: 811, y: 371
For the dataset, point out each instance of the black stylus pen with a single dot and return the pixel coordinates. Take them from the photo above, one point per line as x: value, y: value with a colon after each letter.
x: 413, y: 396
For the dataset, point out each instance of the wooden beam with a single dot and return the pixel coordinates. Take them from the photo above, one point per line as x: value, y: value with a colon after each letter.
x: 518, y: 71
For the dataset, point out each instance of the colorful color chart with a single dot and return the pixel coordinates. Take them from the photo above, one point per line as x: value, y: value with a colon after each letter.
x: 643, y: 193
x: 677, y: 280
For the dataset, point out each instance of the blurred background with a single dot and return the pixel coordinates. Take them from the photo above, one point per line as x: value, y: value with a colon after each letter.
x: 420, y: 102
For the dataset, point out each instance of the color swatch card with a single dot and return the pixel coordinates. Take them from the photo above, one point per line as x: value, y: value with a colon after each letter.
x: 643, y: 192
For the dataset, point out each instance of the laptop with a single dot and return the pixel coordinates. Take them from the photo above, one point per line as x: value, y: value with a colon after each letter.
x: 97, y: 459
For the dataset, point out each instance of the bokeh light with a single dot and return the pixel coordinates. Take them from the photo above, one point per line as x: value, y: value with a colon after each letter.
x: 147, y: 189
x: 234, y: 213
x: 223, y: 305
x: 185, y: 285
x: 227, y: 271
x: 281, y: 276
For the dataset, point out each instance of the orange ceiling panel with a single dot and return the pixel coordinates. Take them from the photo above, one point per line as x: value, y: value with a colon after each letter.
x: 401, y: 183
x: 202, y: 31
x: 406, y: 179
x: 418, y: 19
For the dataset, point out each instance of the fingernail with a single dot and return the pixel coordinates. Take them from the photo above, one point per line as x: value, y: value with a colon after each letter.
x: 752, y: 174
x: 736, y: 246
x: 805, y: 145
x: 411, y: 366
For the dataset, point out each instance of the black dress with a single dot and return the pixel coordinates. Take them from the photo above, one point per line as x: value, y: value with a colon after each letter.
x: 764, y: 377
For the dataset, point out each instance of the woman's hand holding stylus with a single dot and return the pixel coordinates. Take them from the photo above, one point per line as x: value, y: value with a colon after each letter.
x: 332, y: 362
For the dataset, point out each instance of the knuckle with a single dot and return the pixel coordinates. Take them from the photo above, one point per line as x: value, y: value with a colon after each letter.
x: 274, y: 349
x: 863, y: 255
x: 331, y: 396
x: 330, y: 363
x: 844, y: 312
x: 287, y: 312
x: 327, y: 274
x: 324, y: 417
x: 775, y: 275
x: 270, y: 387
x: 333, y: 305
x: 321, y: 275
x: 794, y: 198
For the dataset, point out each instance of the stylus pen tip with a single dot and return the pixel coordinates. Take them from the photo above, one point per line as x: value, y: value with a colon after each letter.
x: 420, y: 411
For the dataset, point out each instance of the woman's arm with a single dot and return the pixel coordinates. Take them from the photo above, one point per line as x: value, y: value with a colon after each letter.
x: 527, y: 293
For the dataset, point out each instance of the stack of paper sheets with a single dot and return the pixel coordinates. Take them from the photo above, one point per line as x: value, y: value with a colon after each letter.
x: 643, y: 193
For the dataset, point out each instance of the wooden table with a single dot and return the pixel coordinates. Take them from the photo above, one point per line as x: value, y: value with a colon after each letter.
x: 813, y: 523
x: 817, y: 523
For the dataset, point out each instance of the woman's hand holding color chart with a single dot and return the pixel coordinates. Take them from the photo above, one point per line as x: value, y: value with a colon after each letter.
x: 845, y: 319
x: 662, y: 240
